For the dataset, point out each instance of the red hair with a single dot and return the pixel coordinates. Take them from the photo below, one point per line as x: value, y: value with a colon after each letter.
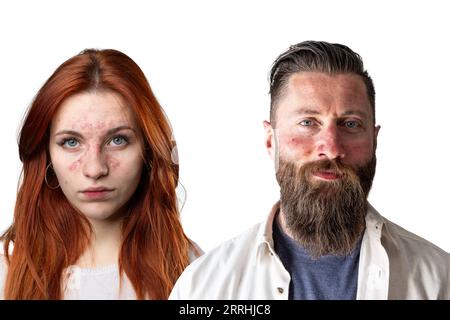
x: 49, y: 234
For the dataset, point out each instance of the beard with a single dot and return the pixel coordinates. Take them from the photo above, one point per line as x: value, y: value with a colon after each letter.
x: 325, y: 217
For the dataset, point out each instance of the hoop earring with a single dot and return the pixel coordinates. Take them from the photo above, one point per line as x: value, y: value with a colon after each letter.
x: 45, y: 178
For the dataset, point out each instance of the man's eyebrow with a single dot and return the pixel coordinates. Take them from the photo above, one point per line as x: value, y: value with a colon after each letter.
x: 307, y: 111
x: 110, y: 131
x: 310, y: 111
x: 355, y: 112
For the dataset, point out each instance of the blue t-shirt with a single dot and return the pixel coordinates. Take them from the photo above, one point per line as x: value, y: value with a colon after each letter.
x: 325, y: 278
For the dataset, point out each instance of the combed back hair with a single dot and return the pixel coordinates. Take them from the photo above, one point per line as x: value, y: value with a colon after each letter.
x: 315, y: 56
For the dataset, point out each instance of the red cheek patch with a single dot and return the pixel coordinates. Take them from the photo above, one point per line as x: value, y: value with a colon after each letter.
x: 74, y: 166
x: 294, y: 142
x: 297, y: 146
x: 113, y: 163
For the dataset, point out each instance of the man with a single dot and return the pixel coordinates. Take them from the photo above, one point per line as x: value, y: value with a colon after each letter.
x: 323, y: 240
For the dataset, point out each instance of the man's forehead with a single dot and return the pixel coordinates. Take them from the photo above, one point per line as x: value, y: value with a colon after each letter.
x: 317, y: 92
x: 320, y: 81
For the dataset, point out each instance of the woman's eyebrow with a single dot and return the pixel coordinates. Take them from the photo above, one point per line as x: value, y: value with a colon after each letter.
x: 114, y: 130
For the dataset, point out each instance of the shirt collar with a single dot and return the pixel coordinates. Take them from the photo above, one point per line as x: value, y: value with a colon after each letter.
x: 374, y: 225
x: 266, y: 229
x: 374, y: 222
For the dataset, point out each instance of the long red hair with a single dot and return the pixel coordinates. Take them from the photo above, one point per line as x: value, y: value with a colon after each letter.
x: 48, y: 234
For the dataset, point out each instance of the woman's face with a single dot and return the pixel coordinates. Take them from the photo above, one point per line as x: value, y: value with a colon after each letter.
x: 96, y: 153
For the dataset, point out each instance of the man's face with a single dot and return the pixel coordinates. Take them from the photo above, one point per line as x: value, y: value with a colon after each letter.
x: 323, y: 116
x: 324, y: 150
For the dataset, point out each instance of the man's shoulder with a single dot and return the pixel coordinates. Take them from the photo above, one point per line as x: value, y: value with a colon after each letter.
x: 214, y: 272
x: 231, y: 249
x: 414, y: 244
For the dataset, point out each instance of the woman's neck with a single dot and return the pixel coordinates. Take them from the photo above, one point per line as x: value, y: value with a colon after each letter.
x: 105, y: 244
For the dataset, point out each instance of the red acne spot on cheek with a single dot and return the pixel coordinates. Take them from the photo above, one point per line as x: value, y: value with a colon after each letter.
x: 74, y: 165
x: 113, y: 163
x: 298, y: 145
x: 294, y: 142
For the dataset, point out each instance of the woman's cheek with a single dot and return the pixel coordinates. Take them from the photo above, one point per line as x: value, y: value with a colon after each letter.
x: 75, y: 165
x: 113, y: 162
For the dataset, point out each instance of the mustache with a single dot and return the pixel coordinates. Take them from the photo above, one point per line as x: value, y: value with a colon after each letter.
x: 347, y: 173
x: 333, y: 166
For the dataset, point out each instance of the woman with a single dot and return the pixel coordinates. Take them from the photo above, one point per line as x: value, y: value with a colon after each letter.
x: 96, y: 213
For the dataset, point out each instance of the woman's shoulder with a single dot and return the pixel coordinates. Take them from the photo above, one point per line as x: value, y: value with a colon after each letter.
x: 3, y: 263
x: 194, y: 251
x: 3, y: 271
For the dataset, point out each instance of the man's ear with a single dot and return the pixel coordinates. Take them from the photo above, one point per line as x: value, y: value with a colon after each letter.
x: 269, y: 139
x: 375, y: 136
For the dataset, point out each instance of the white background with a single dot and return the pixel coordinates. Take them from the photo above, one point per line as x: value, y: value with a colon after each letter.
x: 208, y: 61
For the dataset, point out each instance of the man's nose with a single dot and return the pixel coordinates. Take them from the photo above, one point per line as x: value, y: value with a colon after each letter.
x: 330, y: 144
x: 95, y: 166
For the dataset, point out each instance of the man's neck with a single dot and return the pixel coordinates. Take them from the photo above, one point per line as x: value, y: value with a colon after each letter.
x: 282, y: 223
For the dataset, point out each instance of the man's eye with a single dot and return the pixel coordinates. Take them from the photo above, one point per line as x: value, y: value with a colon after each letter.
x: 306, y: 123
x: 70, y: 143
x: 351, y: 124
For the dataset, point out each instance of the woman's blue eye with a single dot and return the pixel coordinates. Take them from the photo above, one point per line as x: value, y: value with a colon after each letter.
x: 119, y: 140
x: 70, y: 143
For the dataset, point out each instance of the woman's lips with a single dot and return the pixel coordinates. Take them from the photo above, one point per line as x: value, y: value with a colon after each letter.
x: 96, y: 195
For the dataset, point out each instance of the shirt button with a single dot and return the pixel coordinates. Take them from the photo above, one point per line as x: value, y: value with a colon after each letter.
x: 280, y: 290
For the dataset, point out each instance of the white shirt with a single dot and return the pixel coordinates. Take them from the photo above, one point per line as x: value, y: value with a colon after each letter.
x: 394, y: 264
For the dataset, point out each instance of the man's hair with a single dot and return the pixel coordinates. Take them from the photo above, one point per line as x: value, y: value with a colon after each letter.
x: 316, y: 56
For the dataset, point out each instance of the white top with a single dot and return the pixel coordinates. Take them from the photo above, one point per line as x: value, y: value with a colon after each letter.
x: 394, y: 264
x: 90, y: 284
x: 97, y: 284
